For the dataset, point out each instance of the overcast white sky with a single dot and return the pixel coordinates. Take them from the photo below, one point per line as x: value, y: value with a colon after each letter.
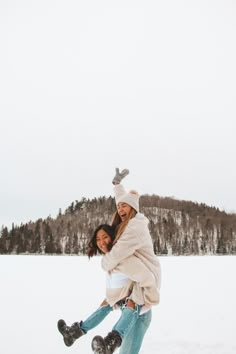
x: 86, y: 86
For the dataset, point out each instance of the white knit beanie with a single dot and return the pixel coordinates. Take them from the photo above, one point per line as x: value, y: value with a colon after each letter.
x: 131, y: 198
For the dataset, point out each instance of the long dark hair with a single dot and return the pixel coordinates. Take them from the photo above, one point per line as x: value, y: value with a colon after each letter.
x: 93, y: 249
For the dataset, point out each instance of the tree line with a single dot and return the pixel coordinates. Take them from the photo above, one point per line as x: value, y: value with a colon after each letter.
x: 177, y: 228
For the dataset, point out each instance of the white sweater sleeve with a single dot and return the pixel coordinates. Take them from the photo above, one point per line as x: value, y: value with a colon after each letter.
x: 127, y: 244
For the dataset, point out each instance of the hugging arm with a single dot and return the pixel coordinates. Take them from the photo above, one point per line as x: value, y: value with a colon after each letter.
x: 127, y: 244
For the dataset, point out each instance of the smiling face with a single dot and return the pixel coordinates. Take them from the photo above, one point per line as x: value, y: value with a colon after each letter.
x: 123, y: 210
x: 103, y: 241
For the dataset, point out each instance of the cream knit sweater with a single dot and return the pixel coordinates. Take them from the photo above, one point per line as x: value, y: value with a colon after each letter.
x: 133, y: 255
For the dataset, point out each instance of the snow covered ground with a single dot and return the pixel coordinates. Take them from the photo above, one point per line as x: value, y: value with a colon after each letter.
x: 197, y: 313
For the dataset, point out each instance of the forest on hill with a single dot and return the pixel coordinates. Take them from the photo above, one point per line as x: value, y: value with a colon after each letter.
x: 177, y: 228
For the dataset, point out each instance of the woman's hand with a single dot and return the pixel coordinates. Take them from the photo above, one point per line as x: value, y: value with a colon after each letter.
x: 120, y: 175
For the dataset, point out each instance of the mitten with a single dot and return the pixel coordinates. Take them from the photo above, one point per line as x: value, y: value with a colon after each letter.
x: 120, y: 175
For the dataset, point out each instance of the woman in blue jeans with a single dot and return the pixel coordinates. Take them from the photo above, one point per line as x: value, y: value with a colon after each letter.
x: 133, y: 278
x: 133, y: 239
x: 131, y: 325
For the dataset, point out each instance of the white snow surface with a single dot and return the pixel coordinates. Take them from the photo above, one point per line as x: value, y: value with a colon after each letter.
x: 196, y: 315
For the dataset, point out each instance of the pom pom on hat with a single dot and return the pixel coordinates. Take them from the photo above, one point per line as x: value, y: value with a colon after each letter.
x: 131, y: 198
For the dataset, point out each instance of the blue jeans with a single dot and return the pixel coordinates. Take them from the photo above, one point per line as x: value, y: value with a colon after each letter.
x: 131, y: 326
x: 132, y: 341
x: 96, y: 318
x: 127, y: 320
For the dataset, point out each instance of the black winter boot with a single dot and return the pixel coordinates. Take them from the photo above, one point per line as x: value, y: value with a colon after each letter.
x: 108, y: 344
x: 70, y: 333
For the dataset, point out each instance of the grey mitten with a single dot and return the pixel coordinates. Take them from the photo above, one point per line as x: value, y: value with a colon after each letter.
x: 120, y: 175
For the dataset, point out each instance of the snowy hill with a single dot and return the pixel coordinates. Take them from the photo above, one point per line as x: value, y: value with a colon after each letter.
x: 177, y: 228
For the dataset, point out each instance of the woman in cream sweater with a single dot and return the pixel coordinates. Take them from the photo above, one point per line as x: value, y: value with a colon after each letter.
x: 132, y: 239
x: 133, y: 278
